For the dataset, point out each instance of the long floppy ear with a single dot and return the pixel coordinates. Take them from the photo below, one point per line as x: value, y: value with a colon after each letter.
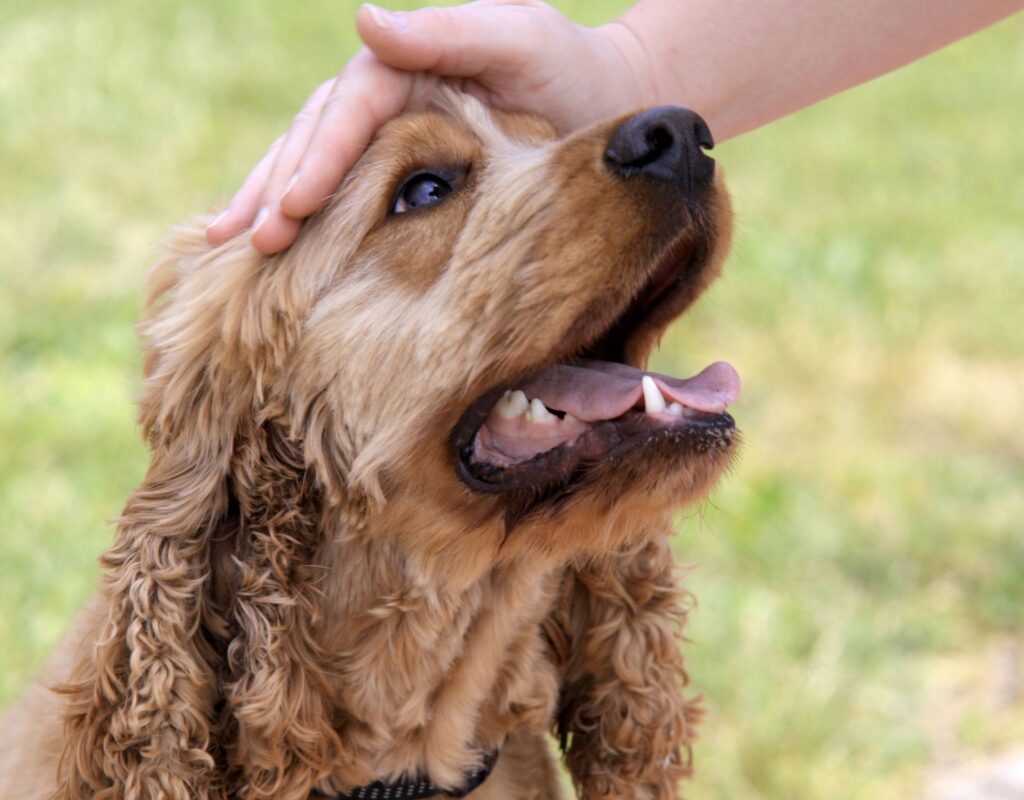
x: 205, y: 676
x: 624, y: 724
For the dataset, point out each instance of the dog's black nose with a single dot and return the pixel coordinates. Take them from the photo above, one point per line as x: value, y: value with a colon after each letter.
x: 666, y: 143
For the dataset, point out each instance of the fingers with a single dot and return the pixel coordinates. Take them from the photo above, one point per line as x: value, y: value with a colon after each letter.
x: 255, y: 202
x: 272, y: 231
x: 243, y: 206
x: 333, y: 128
x: 305, y: 166
x: 462, y: 41
x: 366, y: 95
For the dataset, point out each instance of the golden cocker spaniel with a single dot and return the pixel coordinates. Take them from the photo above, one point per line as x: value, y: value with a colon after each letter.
x: 408, y: 505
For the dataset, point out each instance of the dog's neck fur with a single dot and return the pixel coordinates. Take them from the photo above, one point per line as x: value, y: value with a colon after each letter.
x: 483, y: 667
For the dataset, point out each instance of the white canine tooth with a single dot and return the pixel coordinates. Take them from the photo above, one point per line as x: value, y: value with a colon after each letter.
x: 539, y: 414
x: 674, y: 410
x: 512, y: 404
x: 654, y: 403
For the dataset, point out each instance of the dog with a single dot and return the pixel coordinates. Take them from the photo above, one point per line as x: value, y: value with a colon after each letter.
x: 409, y: 499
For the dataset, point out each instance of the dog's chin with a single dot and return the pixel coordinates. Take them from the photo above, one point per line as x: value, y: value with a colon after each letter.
x: 595, y: 422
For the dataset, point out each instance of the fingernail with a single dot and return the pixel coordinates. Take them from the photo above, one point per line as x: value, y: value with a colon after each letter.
x: 391, y: 20
x: 260, y: 219
x: 290, y: 186
x: 217, y: 219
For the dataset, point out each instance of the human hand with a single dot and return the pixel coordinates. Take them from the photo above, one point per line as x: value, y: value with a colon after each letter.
x: 516, y: 55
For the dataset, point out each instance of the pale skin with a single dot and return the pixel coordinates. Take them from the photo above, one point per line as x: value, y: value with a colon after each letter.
x: 739, y: 63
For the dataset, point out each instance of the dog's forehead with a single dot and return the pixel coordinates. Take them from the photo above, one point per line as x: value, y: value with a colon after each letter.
x: 528, y: 128
x: 420, y: 140
x: 493, y: 128
x: 458, y: 128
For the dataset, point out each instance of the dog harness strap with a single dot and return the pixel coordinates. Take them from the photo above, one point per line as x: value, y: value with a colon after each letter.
x: 415, y: 788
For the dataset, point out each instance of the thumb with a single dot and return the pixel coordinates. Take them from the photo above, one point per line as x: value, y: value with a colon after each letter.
x: 461, y: 41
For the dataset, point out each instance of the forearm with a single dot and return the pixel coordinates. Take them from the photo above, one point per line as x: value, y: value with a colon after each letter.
x: 744, y: 63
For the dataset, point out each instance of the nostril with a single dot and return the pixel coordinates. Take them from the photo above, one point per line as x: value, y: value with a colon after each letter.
x: 635, y: 149
x: 659, y: 140
x: 702, y: 133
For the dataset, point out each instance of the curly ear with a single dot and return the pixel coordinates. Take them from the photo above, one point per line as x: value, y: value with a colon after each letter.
x: 275, y: 683
x: 141, y: 715
x: 205, y: 675
x: 141, y: 711
x: 624, y: 723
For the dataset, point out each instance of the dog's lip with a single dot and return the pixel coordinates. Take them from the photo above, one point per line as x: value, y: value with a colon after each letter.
x: 600, y: 408
x: 697, y: 433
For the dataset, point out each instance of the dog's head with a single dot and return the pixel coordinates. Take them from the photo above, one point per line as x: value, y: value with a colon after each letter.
x: 460, y: 334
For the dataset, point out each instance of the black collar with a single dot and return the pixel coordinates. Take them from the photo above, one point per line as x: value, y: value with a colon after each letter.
x: 416, y: 787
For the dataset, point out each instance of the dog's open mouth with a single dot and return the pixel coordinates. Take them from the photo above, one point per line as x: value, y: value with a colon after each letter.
x: 547, y: 430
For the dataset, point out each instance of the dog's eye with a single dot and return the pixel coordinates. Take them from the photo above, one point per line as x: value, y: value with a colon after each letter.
x: 421, y: 190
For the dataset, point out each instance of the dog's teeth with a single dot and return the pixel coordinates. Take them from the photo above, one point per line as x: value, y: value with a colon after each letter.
x: 512, y: 404
x: 654, y: 403
x: 539, y: 414
x: 674, y: 410
x: 569, y: 419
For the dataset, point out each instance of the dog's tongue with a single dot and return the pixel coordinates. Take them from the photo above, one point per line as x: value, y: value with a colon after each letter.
x: 589, y: 392
x: 598, y: 390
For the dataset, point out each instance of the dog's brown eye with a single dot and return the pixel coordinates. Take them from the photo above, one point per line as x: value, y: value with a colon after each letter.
x: 421, y: 190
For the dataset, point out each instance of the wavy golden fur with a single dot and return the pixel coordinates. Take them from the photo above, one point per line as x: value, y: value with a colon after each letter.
x: 302, y: 593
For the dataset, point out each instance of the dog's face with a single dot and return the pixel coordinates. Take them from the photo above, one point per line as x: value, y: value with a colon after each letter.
x: 459, y: 336
x: 499, y: 291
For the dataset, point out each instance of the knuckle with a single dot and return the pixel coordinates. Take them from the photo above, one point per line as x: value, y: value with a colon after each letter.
x: 356, y: 95
x: 451, y: 25
x: 336, y: 103
x: 313, y: 106
x: 358, y: 63
x: 275, y: 146
x: 441, y: 14
x: 307, y: 114
x: 365, y: 97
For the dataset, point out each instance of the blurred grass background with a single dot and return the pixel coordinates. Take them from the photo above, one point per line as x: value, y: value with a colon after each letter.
x: 861, y: 572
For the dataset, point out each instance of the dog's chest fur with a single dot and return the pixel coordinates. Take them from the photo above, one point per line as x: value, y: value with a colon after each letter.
x: 437, y: 675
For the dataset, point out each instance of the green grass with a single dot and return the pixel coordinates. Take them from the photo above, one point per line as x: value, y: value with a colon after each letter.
x: 853, y: 571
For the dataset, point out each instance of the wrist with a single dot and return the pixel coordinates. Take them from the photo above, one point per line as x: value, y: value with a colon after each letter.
x: 669, y: 49
x: 640, y: 82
